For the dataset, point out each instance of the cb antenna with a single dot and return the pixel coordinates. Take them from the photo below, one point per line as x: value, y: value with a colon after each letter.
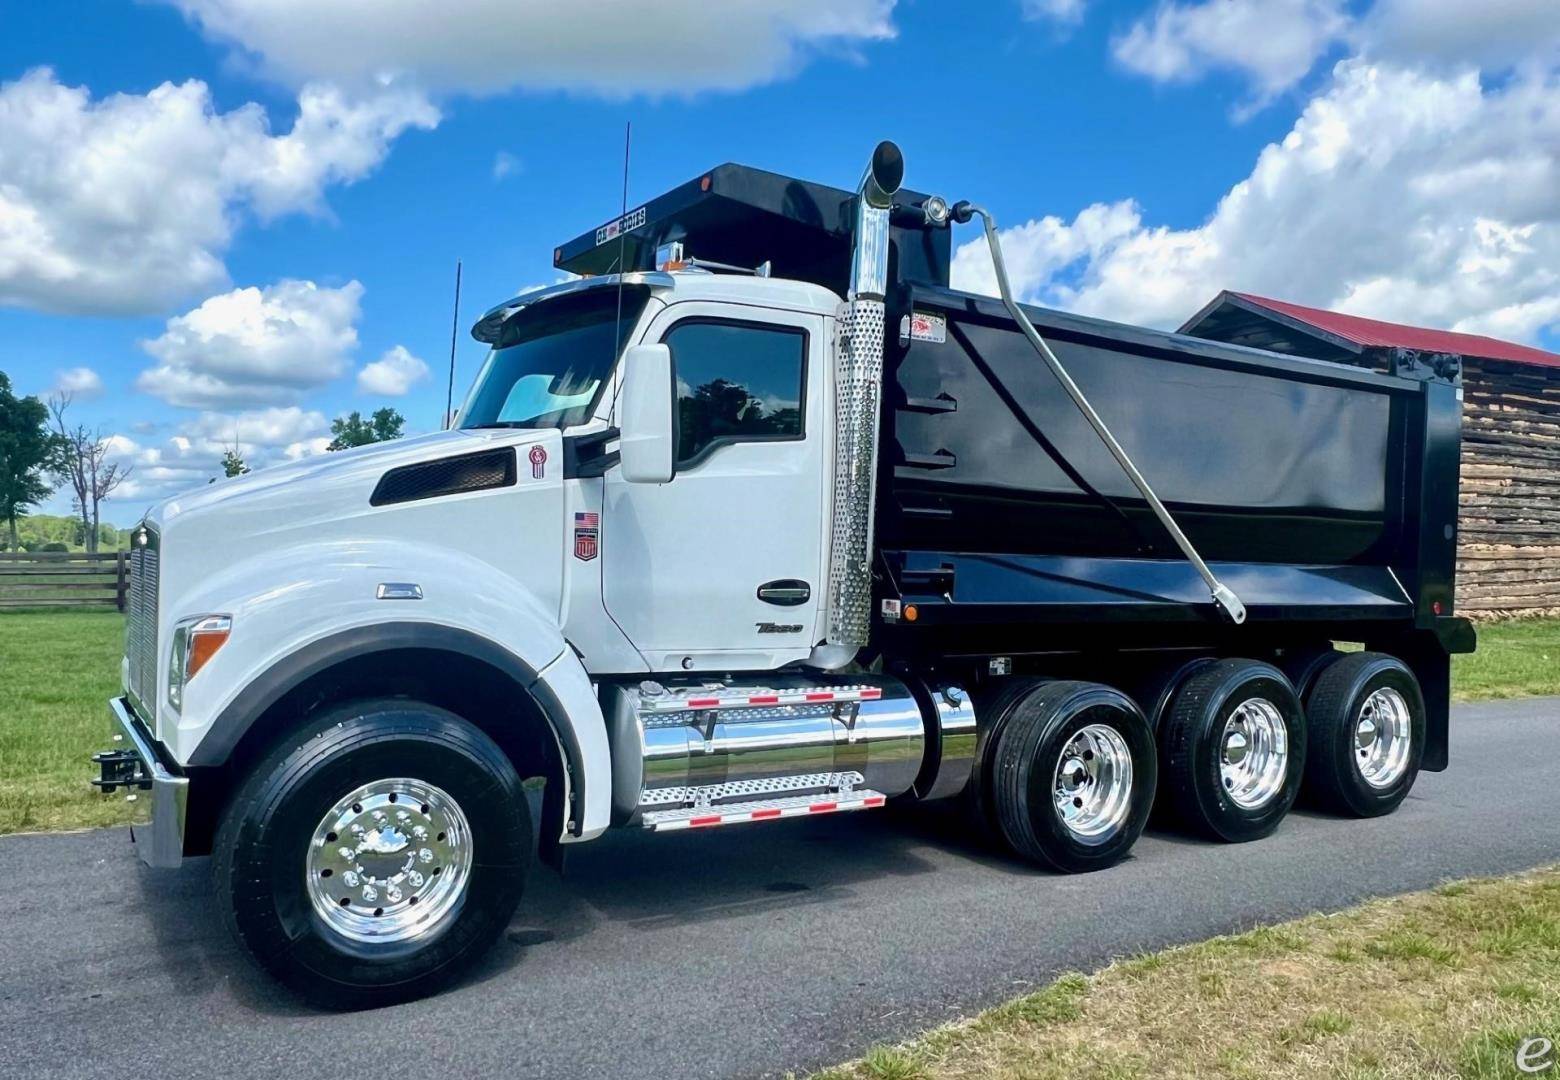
x: 449, y: 392
x: 617, y: 347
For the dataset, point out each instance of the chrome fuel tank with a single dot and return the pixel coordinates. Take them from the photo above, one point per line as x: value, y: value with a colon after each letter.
x: 705, y: 743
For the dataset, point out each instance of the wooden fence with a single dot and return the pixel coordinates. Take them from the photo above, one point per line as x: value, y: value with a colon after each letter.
x: 1508, y: 557
x: 63, y: 579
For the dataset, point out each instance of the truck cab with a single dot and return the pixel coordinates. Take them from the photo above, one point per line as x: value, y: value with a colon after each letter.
x: 757, y: 519
x: 720, y: 566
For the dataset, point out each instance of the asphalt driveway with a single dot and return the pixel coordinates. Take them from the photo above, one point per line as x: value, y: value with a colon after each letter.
x: 740, y: 952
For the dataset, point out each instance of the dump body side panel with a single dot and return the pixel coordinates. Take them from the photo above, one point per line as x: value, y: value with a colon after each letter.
x: 1318, y: 487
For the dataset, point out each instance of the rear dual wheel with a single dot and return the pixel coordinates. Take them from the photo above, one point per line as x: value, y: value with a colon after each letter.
x: 1368, y: 731
x: 1234, y: 747
x: 1072, y: 775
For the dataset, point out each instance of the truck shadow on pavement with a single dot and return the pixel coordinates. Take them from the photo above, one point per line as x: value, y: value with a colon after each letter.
x: 638, y: 880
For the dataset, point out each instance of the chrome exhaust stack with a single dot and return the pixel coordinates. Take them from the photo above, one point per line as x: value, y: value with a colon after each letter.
x: 858, y: 389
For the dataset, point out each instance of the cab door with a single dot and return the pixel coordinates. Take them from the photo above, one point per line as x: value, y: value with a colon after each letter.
x: 724, y: 566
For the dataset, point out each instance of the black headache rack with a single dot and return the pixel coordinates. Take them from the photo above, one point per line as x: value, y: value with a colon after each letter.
x: 745, y: 217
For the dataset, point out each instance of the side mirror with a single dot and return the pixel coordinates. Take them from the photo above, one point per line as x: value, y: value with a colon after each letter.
x: 648, y: 445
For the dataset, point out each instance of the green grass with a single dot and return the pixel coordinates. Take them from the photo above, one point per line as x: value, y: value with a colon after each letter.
x: 1456, y: 979
x: 58, y: 668
x: 1516, y: 658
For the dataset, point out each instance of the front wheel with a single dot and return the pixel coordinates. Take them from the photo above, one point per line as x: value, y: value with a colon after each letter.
x: 374, y: 854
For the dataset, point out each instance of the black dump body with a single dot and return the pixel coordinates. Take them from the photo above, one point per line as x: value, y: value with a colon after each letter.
x: 1324, y: 495
x: 1320, y: 493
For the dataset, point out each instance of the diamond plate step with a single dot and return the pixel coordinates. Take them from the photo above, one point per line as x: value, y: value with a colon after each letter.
x: 760, y: 810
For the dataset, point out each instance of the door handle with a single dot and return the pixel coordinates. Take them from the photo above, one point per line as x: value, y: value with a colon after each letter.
x: 786, y: 592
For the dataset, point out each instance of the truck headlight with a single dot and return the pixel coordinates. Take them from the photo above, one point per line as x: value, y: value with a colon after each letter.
x: 195, y: 641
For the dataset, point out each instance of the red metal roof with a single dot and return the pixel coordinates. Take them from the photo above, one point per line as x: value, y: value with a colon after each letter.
x: 1373, y: 333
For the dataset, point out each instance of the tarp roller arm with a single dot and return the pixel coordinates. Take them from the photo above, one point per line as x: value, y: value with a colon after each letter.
x: 1223, y: 596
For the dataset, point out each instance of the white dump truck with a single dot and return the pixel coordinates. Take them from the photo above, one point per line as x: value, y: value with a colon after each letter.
x: 759, y: 519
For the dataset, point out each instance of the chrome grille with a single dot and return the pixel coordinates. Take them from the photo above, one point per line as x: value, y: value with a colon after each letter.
x: 141, y: 626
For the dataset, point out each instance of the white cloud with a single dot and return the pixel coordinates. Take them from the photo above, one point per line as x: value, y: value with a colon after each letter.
x: 193, y: 456
x: 256, y: 431
x: 393, y: 374
x: 1037, y: 251
x: 254, y: 345
x: 79, y: 382
x: 1061, y: 11
x: 505, y: 164
x: 1273, y: 43
x: 1398, y: 194
x: 127, y: 203
x: 611, y: 47
x: 1492, y: 34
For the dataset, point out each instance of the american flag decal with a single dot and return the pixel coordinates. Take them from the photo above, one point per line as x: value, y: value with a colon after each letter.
x: 587, y: 531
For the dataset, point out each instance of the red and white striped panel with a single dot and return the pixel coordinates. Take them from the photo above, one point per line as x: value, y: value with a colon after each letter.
x: 768, y: 810
x: 744, y: 700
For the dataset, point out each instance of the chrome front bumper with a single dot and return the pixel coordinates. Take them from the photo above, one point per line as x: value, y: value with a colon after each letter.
x: 136, y: 765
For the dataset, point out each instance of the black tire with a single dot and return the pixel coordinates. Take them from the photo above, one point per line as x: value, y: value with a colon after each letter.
x: 1029, y: 752
x: 264, y: 836
x: 1334, y: 781
x: 994, y: 703
x: 1192, y: 746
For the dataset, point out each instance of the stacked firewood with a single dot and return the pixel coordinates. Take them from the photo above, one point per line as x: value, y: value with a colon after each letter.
x: 1508, y: 554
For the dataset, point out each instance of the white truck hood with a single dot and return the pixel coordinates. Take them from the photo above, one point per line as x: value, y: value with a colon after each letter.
x: 315, y: 475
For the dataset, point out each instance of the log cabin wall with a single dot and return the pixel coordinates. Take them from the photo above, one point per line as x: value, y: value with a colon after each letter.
x: 1508, y: 547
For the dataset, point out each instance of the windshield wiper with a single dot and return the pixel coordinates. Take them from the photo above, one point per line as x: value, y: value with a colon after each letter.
x: 498, y: 424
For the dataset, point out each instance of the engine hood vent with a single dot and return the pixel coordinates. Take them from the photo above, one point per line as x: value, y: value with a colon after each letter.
x: 446, y: 476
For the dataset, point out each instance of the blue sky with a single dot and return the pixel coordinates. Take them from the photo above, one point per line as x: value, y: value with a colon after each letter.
x: 1142, y: 156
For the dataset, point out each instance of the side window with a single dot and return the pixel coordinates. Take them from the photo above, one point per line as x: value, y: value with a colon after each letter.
x: 736, y: 382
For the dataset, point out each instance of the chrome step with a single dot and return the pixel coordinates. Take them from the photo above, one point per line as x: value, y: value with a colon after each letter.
x: 764, y: 787
x: 695, y: 817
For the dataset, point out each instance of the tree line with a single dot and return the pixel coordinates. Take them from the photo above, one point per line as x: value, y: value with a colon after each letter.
x: 41, y: 451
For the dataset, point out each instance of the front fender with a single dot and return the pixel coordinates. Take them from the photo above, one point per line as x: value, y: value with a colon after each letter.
x: 297, y: 611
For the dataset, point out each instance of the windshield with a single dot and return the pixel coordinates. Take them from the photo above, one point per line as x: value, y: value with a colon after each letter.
x: 549, y: 365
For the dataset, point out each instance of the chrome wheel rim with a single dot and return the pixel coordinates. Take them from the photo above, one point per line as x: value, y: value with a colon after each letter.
x: 1383, y: 733
x: 1092, y: 785
x: 390, y: 861
x: 1254, y: 753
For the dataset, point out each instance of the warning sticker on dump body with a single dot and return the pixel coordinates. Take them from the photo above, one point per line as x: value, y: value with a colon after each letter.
x: 928, y: 327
